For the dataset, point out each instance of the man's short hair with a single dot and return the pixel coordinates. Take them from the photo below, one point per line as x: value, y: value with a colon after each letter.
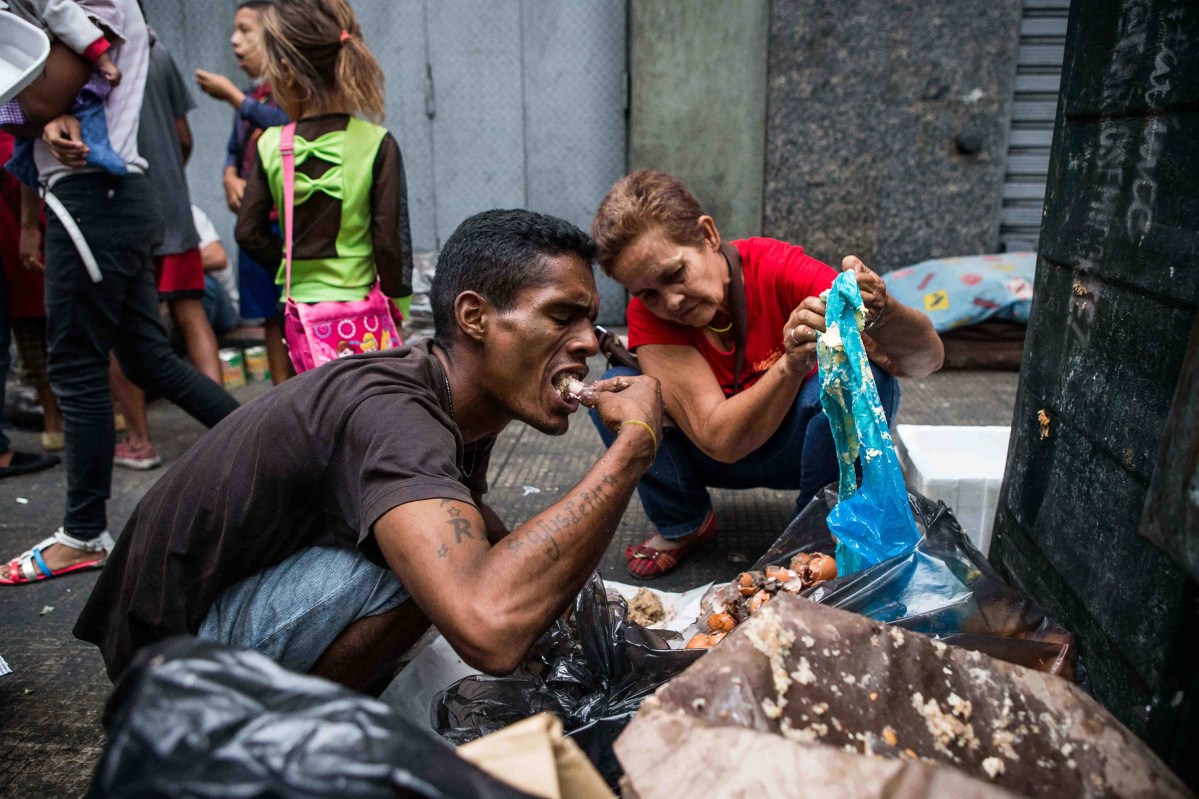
x: 497, y: 254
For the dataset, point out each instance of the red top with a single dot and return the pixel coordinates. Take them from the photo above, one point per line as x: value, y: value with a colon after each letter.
x: 778, y: 277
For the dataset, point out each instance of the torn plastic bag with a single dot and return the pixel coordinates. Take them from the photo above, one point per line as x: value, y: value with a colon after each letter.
x: 196, y: 719
x: 943, y: 588
x: 873, y: 522
x: 593, y: 679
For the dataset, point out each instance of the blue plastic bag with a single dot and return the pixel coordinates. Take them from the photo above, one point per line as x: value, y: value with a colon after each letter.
x: 874, y: 522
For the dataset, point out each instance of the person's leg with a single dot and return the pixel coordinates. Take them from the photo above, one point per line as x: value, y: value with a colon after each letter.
x: 307, y: 613
x: 218, y: 308
x: 276, y: 350
x: 818, y: 461
x: 81, y: 317
x: 189, y: 315
x: 365, y: 656
x: 260, y: 300
x: 133, y: 403
x: 141, y: 342
x: 30, y: 335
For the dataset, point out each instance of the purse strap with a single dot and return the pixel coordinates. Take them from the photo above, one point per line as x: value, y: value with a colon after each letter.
x: 287, y: 150
x: 738, y: 309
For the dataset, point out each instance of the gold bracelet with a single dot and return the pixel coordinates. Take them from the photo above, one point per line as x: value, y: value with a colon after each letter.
x: 652, y: 436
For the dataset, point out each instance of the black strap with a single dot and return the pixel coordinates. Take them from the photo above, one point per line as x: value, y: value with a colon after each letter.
x: 737, y: 308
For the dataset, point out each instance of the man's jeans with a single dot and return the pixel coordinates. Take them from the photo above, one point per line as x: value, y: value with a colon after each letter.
x: 119, y: 218
x: 293, y: 611
x: 800, y: 456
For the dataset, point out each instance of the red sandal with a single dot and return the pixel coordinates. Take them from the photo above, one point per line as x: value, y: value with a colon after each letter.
x: 647, y: 562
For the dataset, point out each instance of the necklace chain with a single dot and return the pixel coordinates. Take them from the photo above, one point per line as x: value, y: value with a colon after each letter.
x: 449, y: 395
x: 724, y: 329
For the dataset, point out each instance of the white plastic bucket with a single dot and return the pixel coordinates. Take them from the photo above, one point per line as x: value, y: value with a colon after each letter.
x: 23, y: 51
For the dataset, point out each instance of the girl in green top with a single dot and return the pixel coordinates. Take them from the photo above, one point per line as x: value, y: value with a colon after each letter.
x: 351, y: 199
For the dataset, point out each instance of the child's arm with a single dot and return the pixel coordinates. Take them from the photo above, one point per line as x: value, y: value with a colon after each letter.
x: 31, y: 229
x: 390, y: 230
x: 253, y: 231
x: 68, y: 21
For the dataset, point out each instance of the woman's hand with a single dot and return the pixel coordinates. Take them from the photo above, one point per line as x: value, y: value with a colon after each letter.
x: 799, y: 336
x: 873, y: 288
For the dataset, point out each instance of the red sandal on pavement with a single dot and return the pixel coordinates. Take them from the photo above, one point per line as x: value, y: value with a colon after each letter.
x: 647, y: 562
x: 22, y: 570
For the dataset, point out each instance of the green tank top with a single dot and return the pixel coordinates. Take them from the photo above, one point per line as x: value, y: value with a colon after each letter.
x: 351, y: 152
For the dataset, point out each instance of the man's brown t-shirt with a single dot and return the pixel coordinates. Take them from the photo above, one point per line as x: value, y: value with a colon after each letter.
x: 316, y: 460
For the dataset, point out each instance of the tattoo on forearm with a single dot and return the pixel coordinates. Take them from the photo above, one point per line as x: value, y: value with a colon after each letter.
x: 571, y: 513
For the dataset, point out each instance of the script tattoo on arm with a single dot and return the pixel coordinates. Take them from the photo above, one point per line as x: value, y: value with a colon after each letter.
x: 544, y: 530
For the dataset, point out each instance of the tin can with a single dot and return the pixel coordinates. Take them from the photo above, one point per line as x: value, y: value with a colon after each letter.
x: 258, y: 367
x: 233, y: 372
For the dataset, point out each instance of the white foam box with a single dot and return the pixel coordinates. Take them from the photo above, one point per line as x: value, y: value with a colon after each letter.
x: 961, y: 466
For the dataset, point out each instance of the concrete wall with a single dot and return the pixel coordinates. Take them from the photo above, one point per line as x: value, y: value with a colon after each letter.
x: 871, y: 105
x: 1117, y: 293
x: 697, y: 109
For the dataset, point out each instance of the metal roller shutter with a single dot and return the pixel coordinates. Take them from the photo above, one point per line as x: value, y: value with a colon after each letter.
x: 1038, y: 72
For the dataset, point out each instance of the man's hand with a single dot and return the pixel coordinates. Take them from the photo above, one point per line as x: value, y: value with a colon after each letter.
x: 109, y: 70
x: 235, y: 187
x: 31, y: 248
x: 218, y: 87
x: 873, y: 288
x: 622, y: 399
x: 65, y: 141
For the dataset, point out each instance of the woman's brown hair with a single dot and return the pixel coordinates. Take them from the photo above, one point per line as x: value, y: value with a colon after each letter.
x: 641, y: 202
x: 315, y: 47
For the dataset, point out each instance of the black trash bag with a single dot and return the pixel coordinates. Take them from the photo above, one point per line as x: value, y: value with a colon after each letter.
x: 195, y: 719
x: 944, y: 588
x: 593, y: 678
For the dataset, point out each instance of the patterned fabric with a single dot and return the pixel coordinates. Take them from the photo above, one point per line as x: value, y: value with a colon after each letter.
x: 955, y: 292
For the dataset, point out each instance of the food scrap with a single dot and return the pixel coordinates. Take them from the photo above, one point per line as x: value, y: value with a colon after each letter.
x: 734, y: 602
x: 645, y: 608
x: 570, y: 387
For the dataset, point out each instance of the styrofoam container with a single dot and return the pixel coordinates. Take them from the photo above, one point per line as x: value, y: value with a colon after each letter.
x: 961, y: 466
x: 23, y: 51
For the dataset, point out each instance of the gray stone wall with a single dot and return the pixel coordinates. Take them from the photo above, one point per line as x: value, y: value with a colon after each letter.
x: 698, y: 101
x: 887, y: 126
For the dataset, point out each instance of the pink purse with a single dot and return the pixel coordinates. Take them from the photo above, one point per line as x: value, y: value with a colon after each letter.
x: 320, y: 332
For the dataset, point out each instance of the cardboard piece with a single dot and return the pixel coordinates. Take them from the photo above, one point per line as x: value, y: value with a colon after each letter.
x: 807, y: 675
x: 534, y: 756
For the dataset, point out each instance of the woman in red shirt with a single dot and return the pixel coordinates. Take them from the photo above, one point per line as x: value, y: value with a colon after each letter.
x: 729, y: 329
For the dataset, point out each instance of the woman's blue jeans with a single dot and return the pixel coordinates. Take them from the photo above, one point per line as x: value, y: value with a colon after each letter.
x: 800, y: 456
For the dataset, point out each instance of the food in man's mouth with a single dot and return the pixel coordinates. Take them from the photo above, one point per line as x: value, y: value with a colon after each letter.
x: 645, y: 608
x: 572, y: 388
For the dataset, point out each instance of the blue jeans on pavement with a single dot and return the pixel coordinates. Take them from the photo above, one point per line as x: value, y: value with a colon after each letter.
x: 118, y: 216
x: 800, y: 456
